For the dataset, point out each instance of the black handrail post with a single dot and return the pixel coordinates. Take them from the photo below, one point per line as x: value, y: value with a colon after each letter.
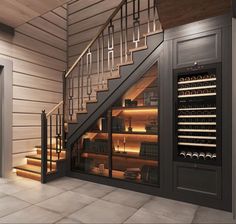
x: 64, y: 108
x: 44, y: 147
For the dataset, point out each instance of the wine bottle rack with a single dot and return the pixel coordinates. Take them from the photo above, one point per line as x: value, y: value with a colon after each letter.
x: 197, y: 94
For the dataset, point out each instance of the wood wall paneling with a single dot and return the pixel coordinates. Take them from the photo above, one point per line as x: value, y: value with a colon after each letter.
x: 39, y: 54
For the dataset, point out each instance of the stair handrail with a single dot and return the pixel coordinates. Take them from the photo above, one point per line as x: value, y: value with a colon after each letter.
x: 54, y: 108
x: 95, y: 38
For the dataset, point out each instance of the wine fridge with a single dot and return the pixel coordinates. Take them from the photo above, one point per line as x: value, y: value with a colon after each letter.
x: 197, y: 95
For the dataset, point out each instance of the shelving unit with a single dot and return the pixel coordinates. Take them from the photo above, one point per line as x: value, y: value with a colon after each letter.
x: 197, y: 121
x: 123, y: 143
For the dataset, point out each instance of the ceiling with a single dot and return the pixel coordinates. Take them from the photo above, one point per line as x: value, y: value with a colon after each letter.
x: 16, y: 12
x: 174, y: 13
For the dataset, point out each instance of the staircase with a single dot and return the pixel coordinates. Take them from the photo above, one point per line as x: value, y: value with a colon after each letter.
x: 117, y: 56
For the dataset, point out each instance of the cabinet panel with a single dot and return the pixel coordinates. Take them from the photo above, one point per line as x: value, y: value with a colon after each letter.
x: 202, y: 48
x: 198, y: 179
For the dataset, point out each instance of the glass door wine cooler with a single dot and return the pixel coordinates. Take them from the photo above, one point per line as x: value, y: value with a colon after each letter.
x: 197, y: 95
x: 123, y: 143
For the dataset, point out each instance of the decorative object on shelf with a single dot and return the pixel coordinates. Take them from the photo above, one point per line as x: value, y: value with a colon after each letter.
x: 149, y: 150
x: 150, y: 98
x: 101, y: 168
x: 118, y: 124
x: 104, y: 124
x: 130, y: 129
x: 124, y: 143
x: 97, y: 146
x: 151, y: 126
x: 149, y: 174
x: 132, y: 173
x: 118, y: 146
x: 131, y: 103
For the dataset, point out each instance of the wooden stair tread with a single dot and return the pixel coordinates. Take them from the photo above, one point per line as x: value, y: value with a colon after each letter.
x: 125, y: 63
x: 53, y: 148
x: 138, y: 48
x: 38, y: 157
x: 152, y: 33
x: 31, y: 168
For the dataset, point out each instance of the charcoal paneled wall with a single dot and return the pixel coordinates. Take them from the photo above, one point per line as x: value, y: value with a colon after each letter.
x: 38, y: 51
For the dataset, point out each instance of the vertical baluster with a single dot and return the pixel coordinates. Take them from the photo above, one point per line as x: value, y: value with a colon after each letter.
x: 98, y: 60
x: 44, y: 146
x: 79, y: 89
x: 154, y: 15
x: 102, y: 59
x: 50, y: 142
x: 126, y: 31
x: 110, y: 43
x: 71, y: 95
x: 56, y: 134
x: 121, y: 34
x: 64, y: 109
x: 82, y: 84
x: 89, y: 71
x: 149, y: 18
x: 136, y: 22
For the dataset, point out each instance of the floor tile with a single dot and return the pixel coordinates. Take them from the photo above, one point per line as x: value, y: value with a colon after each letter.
x: 179, y: 211
x: 129, y: 198
x: 102, y: 211
x: 67, y: 183
x: 2, y: 195
x: 26, y: 183
x: 68, y: 221
x: 32, y: 214
x: 11, y: 204
x: 38, y: 194
x: 143, y: 217
x: 209, y: 215
x: 11, y: 188
x: 94, y: 190
x: 67, y: 202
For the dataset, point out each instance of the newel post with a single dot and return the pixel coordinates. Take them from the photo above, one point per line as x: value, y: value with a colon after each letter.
x: 44, y: 147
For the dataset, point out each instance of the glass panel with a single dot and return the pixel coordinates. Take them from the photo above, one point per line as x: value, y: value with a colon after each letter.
x: 90, y: 153
x: 135, y: 132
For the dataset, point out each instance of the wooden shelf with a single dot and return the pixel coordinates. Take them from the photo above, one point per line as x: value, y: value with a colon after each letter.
x: 140, y: 108
x: 126, y: 133
x: 198, y: 87
x: 197, y: 116
x: 196, y: 144
x: 196, y: 123
x: 129, y: 157
x: 202, y: 108
x: 196, y: 137
x: 197, y: 130
x: 197, y: 81
x: 197, y: 95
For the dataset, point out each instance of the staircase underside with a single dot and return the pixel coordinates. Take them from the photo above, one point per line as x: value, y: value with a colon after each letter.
x: 142, y: 59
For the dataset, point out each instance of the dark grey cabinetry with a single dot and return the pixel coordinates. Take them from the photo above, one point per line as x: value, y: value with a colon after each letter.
x: 198, y: 45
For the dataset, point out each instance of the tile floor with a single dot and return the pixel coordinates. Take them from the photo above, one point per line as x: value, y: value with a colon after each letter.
x: 68, y: 200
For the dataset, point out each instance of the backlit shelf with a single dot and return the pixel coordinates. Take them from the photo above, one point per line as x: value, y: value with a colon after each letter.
x: 197, y: 95
x: 137, y: 108
x: 196, y: 123
x: 196, y: 144
x: 196, y: 130
x: 196, y: 116
x: 197, y: 137
x: 198, y: 87
x: 196, y: 81
x: 202, y: 108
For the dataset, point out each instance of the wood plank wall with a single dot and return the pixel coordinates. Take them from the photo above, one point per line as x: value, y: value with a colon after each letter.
x: 39, y: 54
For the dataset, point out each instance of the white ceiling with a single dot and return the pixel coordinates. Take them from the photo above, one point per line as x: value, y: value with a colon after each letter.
x: 17, y: 12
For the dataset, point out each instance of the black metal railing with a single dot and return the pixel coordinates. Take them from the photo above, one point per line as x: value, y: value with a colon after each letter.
x: 52, y: 139
x: 124, y: 30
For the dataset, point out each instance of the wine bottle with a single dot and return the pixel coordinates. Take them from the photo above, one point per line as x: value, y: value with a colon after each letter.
x: 202, y: 155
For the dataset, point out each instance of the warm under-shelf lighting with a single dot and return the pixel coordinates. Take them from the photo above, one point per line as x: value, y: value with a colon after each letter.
x: 131, y: 111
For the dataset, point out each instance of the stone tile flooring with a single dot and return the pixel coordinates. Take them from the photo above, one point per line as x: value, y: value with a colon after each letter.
x: 69, y: 200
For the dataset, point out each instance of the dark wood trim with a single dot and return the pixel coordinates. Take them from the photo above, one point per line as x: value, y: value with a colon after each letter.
x: 234, y: 8
x: 7, y: 29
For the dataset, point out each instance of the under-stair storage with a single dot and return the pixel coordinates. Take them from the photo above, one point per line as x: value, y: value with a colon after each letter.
x: 123, y: 143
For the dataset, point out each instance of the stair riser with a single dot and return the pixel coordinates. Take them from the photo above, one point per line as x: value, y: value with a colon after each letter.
x: 62, y: 154
x: 29, y: 175
x: 38, y: 163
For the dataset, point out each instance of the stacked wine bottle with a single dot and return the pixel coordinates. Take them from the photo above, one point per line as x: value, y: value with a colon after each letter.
x: 196, y: 116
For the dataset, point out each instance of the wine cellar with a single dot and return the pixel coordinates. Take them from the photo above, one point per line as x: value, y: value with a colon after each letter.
x: 198, y: 114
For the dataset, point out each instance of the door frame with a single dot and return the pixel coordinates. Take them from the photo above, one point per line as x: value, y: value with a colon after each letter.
x: 6, y: 101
